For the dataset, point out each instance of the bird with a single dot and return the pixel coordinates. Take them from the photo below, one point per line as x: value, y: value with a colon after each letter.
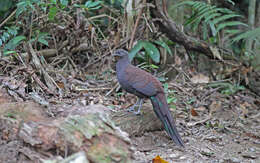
x: 144, y: 85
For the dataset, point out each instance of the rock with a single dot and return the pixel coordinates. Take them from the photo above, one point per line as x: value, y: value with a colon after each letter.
x: 137, y: 125
x: 79, y: 157
x: 81, y: 128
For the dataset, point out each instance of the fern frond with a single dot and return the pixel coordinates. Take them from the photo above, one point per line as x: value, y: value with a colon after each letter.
x: 231, y: 23
x: 251, y: 34
x: 214, y: 17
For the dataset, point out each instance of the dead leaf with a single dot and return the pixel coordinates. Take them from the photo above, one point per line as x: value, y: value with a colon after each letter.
x: 201, y: 109
x: 200, y: 78
x: 194, y: 112
x: 245, y: 71
x: 177, y: 60
x: 158, y: 159
x: 215, y: 52
x: 244, y: 109
x: 214, y: 106
x: 60, y: 85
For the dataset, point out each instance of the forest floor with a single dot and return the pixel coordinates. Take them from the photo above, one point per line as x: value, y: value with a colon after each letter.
x: 222, y: 129
x: 215, y: 127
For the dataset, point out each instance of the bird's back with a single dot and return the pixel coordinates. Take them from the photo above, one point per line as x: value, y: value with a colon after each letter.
x: 140, y: 81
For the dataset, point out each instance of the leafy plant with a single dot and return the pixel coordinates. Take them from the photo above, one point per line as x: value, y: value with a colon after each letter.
x: 9, y: 39
x: 27, y: 6
x: 8, y: 33
x: 90, y: 5
x: 13, y: 43
x: 41, y: 37
x: 151, y: 51
x: 250, y: 34
x: 212, y: 18
x: 227, y: 88
x: 170, y: 97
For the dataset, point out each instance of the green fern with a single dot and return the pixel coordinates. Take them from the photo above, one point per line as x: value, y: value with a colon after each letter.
x: 212, y: 17
x: 250, y: 34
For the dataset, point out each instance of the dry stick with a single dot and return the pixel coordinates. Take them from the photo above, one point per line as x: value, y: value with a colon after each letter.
x: 136, y: 24
x: 198, y: 122
x: 112, y: 90
x: 35, y: 77
x: 101, y: 16
x: 93, y: 89
x: 49, y: 81
x: 8, y: 18
x: 107, y: 53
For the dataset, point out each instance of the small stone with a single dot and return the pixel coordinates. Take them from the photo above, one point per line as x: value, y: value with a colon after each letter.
x: 235, y: 160
x: 183, y: 158
x: 232, y: 160
x: 221, y: 161
x: 248, y: 155
x: 252, y: 149
x: 174, y: 155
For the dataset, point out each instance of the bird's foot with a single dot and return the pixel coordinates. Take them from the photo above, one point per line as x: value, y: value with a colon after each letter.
x: 132, y: 110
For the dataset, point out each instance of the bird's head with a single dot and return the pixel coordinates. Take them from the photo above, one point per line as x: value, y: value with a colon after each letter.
x: 120, y: 53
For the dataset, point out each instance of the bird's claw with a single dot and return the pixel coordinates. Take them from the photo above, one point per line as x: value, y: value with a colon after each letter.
x: 132, y: 110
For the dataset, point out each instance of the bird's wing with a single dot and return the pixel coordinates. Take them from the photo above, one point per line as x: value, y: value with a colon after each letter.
x: 142, y: 81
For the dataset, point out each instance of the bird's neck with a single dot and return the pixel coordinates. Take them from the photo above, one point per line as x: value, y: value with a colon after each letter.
x: 122, y: 63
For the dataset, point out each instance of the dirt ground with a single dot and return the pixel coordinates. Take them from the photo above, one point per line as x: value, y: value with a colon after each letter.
x: 237, y: 142
x: 225, y: 132
x: 216, y: 128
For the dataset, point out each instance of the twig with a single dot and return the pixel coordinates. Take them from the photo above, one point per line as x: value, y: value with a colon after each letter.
x: 112, y: 90
x: 198, y: 122
x: 8, y: 18
x: 101, y: 16
x: 107, y: 53
x: 92, y: 89
x: 37, y: 63
x: 136, y: 24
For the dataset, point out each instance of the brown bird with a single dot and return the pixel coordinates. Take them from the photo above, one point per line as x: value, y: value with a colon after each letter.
x: 142, y: 84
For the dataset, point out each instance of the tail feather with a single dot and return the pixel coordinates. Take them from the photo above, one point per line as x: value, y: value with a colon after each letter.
x: 162, y: 111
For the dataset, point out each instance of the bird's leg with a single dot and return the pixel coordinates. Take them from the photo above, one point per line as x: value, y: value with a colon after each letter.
x: 140, y: 106
x: 132, y: 108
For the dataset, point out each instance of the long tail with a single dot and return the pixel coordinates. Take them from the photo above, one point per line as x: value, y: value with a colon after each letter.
x: 162, y: 111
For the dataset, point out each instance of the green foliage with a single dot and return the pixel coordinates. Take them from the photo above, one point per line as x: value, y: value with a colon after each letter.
x: 5, y: 5
x: 230, y: 1
x: 5, y: 8
x: 90, y: 5
x: 13, y: 43
x: 171, y: 96
x: 119, y: 94
x: 28, y: 12
x: 191, y: 100
x: 8, y: 33
x: 151, y: 51
x: 251, y: 34
x: 10, y: 39
x: 41, y: 37
x: 26, y: 6
x: 212, y: 18
x: 52, y: 13
x: 227, y: 88
x: 114, y: 3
